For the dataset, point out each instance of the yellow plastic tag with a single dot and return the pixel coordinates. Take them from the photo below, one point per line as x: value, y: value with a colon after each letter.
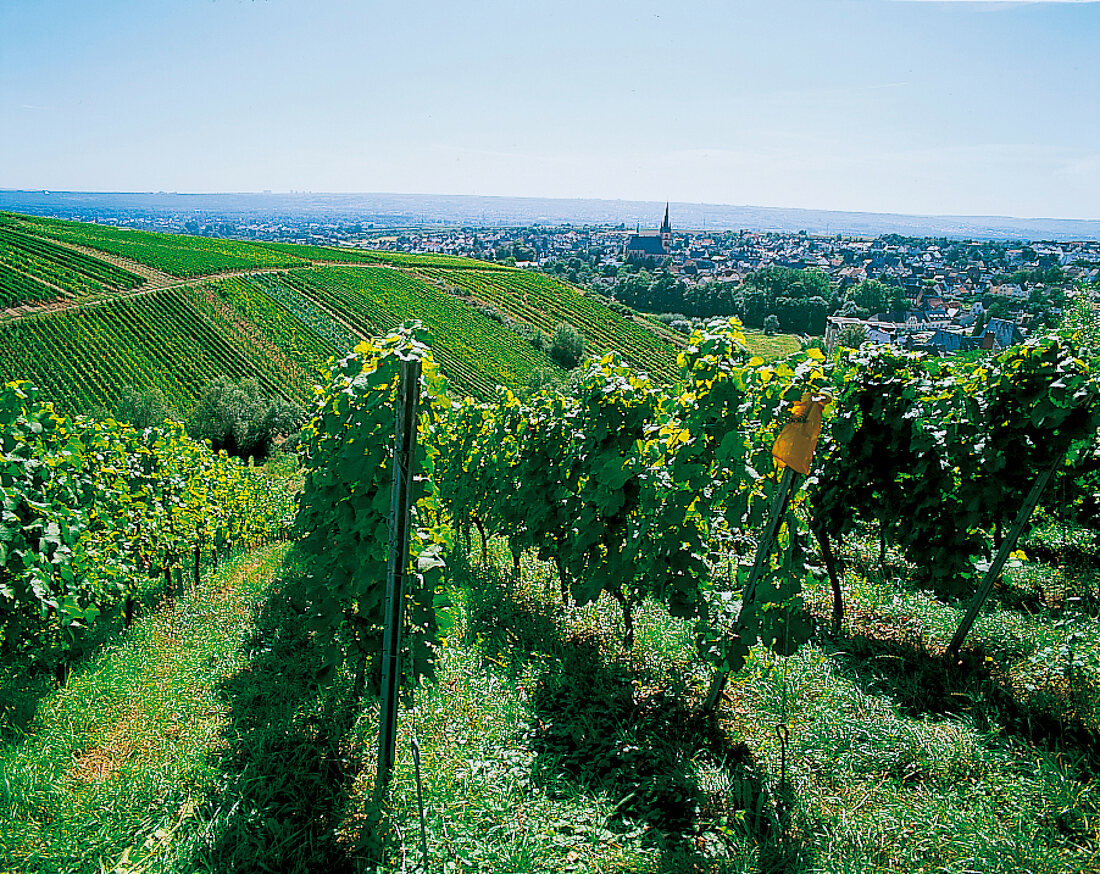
x: 794, y: 447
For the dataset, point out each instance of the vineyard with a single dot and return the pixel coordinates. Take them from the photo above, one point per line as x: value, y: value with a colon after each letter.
x: 476, y: 353
x: 33, y: 270
x: 283, y: 328
x: 543, y: 302
x: 187, y: 256
x: 694, y: 611
x: 602, y: 489
x: 93, y: 510
x: 276, y: 318
x: 176, y: 254
x: 323, y: 254
x: 300, y: 329
x: 583, y: 566
x: 171, y: 340
x: 18, y: 288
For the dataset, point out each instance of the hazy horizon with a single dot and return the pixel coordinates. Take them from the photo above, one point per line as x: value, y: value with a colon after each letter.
x: 398, y: 210
x: 440, y: 194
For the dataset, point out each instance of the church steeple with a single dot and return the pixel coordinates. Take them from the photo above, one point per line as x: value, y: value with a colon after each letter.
x: 666, y: 232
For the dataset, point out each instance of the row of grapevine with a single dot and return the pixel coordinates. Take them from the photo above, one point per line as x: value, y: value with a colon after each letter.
x: 18, y: 288
x: 543, y: 301
x: 325, y: 254
x: 442, y: 262
x: 177, y: 254
x: 170, y: 340
x: 628, y: 487
x: 316, y: 320
x: 92, y: 508
x: 242, y: 350
x: 345, y: 505
x: 188, y: 256
x: 71, y: 271
x: 475, y: 352
x: 936, y: 452
x: 623, y: 485
x: 299, y: 328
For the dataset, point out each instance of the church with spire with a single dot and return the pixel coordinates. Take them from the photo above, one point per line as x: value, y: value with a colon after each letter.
x: 650, y: 245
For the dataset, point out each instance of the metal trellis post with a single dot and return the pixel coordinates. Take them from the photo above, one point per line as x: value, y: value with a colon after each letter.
x: 400, y: 503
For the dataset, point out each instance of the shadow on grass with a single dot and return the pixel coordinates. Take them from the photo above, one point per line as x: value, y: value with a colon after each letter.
x: 925, y: 684
x: 29, y: 676
x: 22, y: 687
x: 286, y: 760
x: 625, y: 731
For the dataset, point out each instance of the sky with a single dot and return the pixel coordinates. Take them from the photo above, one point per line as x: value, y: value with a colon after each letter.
x: 911, y: 106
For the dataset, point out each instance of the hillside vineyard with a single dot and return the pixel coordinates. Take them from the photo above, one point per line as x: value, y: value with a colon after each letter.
x: 176, y: 311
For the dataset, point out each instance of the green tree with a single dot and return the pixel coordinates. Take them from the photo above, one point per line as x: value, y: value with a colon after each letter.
x: 567, y: 346
x: 997, y: 308
x: 872, y: 296
x: 785, y: 292
x: 542, y: 379
x: 241, y: 419
x: 771, y: 324
x: 817, y: 313
x: 778, y: 282
x: 852, y: 336
x: 142, y: 408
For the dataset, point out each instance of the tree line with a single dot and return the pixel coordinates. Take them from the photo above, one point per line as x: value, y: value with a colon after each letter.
x: 780, y: 298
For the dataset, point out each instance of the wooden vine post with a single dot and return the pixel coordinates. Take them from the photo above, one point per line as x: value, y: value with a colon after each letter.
x: 1007, y: 545
x: 793, y: 451
x: 408, y: 394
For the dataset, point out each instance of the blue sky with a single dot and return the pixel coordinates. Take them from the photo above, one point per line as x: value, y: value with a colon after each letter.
x: 958, y: 107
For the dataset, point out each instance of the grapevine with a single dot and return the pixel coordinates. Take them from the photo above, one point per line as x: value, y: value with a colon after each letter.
x: 92, y: 507
x: 344, y: 509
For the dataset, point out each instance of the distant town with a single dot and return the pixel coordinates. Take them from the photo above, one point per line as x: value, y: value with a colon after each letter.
x: 940, y: 294
x: 936, y: 294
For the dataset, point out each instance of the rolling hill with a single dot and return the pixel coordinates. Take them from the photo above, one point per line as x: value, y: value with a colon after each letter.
x: 91, y: 309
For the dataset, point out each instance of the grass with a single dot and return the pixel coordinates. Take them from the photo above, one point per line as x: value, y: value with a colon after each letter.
x: 112, y: 766
x: 884, y: 770
x: 769, y: 346
x: 202, y: 741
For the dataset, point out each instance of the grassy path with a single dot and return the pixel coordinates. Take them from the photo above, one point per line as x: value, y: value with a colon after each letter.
x: 112, y: 765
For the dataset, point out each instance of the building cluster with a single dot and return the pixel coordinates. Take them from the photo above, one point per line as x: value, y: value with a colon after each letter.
x: 959, y: 295
x: 937, y: 330
x: 951, y: 267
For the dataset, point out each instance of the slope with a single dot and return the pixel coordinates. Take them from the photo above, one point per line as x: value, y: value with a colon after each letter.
x: 476, y: 353
x: 173, y: 341
x: 177, y: 254
x: 543, y: 302
x: 34, y: 270
x: 84, y: 327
